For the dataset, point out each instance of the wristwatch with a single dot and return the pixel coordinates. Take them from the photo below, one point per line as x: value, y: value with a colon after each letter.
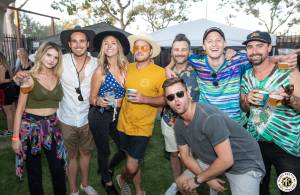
x: 196, y: 180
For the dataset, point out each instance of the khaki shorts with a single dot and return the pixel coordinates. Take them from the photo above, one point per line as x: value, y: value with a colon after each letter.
x: 77, y: 138
x: 169, y: 137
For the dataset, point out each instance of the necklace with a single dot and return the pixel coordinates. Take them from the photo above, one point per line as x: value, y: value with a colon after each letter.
x: 78, y: 72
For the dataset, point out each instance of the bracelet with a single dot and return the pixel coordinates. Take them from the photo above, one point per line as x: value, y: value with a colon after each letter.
x: 15, y: 138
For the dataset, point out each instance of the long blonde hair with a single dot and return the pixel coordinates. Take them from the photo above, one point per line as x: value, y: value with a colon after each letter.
x: 40, y: 54
x: 103, y: 63
x: 23, y: 56
x: 4, y: 63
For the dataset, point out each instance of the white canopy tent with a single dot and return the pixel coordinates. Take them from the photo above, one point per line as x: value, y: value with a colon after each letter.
x: 194, y: 30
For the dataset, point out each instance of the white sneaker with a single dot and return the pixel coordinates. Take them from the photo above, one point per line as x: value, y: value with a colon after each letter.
x: 89, y: 190
x: 172, y: 190
x: 75, y: 193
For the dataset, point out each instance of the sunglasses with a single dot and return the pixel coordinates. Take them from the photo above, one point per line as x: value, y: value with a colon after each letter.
x: 215, y: 83
x: 142, y: 48
x: 171, y: 97
x: 78, y: 91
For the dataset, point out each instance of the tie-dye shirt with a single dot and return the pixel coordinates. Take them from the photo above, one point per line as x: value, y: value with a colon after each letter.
x: 225, y: 96
x: 280, y: 124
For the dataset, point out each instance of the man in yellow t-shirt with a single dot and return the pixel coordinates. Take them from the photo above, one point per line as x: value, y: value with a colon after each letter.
x: 138, y: 111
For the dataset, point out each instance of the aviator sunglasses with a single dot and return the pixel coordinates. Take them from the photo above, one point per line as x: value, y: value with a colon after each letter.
x: 171, y: 97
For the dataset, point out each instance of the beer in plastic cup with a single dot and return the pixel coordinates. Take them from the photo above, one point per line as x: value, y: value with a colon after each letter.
x: 25, y: 86
x: 275, y: 100
x: 283, y: 65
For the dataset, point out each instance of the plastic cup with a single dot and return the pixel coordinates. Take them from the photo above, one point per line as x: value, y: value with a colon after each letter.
x: 275, y: 100
x: 110, y: 97
x: 130, y: 91
x: 265, y: 95
x: 25, y: 86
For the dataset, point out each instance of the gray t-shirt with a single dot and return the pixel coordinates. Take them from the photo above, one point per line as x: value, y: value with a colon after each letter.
x: 210, y: 127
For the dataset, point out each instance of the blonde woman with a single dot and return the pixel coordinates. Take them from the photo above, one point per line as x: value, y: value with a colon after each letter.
x: 35, y: 125
x: 8, y: 92
x: 23, y: 62
x: 107, y: 91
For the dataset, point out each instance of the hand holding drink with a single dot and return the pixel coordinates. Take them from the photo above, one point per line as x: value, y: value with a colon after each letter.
x: 288, y: 59
x: 131, y: 94
x: 26, y: 85
x: 258, y: 97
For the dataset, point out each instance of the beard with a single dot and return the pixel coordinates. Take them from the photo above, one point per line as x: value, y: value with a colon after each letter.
x: 257, y: 59
x: 182, y: 60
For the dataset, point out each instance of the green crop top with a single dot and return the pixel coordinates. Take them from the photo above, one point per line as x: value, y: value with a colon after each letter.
x: 40, y: 97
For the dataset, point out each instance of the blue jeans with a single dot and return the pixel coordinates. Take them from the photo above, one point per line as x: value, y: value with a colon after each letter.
x: 282, y: 161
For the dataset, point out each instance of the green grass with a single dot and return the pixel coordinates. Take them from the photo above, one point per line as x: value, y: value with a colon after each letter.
x: 156, y: 171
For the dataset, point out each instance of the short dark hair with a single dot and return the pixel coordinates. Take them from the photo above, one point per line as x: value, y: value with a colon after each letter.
x: 182, y: 37
x: 172, y: 81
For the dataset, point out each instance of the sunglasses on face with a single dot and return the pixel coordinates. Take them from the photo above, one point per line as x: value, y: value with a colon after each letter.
x: 215, y: 83
x: 171, y: 97
x: 142, y: 48
x: 78, y: 91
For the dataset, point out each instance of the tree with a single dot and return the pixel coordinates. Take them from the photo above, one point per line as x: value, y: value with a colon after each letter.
x: 115, y: 11
x: 160, y: 13
x: 273, y: 14
x: 31, y: 28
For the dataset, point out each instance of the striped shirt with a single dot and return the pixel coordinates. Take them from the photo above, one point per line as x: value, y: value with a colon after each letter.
x: 226, y: 95
x: 280, y: 124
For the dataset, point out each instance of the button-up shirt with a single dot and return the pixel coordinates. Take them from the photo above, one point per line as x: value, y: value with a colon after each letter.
x: 71, y: 111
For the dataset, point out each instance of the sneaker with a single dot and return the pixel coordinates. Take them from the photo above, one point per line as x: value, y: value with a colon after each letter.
x: 125, y: 189
x: 172, y: 190
x: 75, y: 193
x: 89, y: 190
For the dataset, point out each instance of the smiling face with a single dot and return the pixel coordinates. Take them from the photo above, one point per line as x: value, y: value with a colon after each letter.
x: 214, y: 45
x: 50, y: 59
x: 78, y: 43
x: 180, y: 52
x: 110, y: 46
x: 174, y: 98
x: 258, y: 52
x: 142, y: 51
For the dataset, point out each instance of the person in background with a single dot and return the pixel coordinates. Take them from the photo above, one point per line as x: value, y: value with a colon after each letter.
x: 107, y: 92
x: 275, y: 124
x: 143, y: 83
x: 8, y: 93
x: 179, y: 53
x: 22, y: 62
x: 35, y: 126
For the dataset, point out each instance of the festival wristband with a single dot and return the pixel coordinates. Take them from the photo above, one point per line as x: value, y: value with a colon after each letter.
x: 15, y: 138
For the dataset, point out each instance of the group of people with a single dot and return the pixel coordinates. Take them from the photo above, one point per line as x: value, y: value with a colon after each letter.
x: 214, y: 120
x: 9, y: 91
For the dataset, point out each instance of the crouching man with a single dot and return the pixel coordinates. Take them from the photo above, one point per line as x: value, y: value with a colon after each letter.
x: 210, y: 144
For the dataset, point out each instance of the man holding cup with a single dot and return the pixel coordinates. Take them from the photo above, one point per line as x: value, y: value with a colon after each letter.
x: 274, y: 123
x: 143, y: 83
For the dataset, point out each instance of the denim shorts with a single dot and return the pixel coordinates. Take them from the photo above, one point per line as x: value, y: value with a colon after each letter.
x: 134, y: 146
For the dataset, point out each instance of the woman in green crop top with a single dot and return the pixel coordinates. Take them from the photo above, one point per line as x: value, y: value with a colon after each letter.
x: 35, y: 126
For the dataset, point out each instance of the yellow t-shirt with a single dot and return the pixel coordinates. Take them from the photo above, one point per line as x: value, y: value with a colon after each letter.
x: 138, y: 119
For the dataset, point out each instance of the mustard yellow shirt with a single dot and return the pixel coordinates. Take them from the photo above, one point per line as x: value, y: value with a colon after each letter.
x: 138, y: 119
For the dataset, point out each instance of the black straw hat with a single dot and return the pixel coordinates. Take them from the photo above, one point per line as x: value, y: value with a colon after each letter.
x: 66, y: 34
x: 118, y: 35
